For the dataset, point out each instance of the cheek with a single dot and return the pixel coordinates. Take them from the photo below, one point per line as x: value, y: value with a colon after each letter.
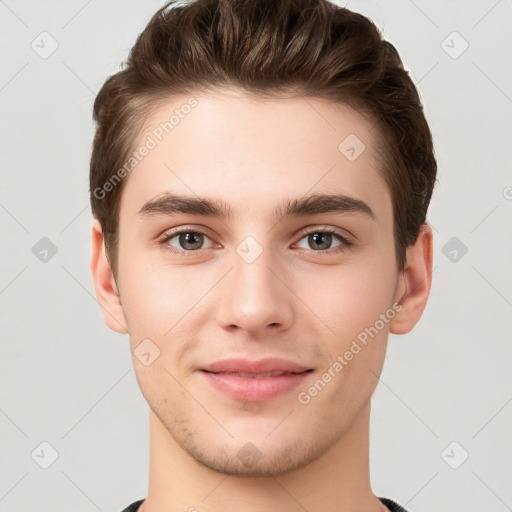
x: 351, y: 298
x: 167, y: 305
x: 351, y: 303
x: 155, y: 296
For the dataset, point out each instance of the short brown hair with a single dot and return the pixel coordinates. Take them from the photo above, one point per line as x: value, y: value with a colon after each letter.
x: 267, y: 47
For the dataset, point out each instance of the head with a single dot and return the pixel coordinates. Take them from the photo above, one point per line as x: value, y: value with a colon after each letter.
x: 256, y: 106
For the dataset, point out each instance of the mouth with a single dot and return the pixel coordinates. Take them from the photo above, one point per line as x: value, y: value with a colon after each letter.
x: 265, y: 375
x: 255, y: 387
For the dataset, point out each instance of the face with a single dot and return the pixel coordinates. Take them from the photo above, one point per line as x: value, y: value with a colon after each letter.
x: 304, y: 286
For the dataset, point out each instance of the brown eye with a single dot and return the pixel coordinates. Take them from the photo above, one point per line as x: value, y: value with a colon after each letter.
x: 186, y: 240
x: 190, y: 240
x: 322, y: 240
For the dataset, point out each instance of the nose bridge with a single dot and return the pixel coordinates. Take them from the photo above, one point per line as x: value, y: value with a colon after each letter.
x: 252, y: 269
x: 254, y: 296
x: 253, y: 261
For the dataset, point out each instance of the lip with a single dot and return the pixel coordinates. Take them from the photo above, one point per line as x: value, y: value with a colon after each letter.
x: 267, y: 365
x: 236, y: 378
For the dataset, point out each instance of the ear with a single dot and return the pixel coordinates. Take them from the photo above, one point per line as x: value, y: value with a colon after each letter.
x: 104, y: 283
x: 417, y: 277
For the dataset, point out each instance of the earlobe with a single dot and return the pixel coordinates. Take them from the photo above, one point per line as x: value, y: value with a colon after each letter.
x: 417, y: 277
x: 104, y: 283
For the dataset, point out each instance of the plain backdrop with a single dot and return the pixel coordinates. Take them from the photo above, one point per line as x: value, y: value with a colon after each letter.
x: 441, y: 415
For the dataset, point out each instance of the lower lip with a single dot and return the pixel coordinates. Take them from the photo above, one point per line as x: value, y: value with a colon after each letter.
x: 255, y: 390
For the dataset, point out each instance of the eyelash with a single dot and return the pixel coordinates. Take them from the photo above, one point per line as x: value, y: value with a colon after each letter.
x: 345, y: 243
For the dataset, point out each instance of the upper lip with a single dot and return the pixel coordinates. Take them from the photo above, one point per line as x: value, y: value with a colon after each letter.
x: 240, y: 365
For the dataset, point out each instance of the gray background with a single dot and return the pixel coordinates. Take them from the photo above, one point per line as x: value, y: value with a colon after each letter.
x: 67, y: 380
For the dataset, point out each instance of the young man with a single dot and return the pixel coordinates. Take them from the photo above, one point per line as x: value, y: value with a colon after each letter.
x: 260, y: 178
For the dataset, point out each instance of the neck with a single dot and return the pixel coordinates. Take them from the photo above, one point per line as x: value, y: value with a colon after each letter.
x: 337, y: 481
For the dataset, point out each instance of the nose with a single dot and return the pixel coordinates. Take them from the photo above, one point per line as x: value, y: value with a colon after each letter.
x: 256, y: 296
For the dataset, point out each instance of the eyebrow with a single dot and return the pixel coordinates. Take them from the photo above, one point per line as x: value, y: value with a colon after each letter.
x: 168, y: 204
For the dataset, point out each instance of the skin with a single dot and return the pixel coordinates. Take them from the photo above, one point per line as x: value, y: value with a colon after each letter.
x: 297, y: 301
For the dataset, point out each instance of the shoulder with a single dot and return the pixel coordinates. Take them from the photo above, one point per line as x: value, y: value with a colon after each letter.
x: 133, y: 507
x: 393, y: 506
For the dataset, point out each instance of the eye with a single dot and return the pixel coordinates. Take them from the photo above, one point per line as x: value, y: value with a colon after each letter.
x: 187, y: 240
x: 321, y: 239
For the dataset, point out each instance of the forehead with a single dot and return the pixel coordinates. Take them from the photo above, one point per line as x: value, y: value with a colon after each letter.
x: 251, y: 151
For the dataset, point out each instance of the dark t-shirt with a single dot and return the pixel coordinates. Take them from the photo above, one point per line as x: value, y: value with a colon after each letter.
x: 393, y: 506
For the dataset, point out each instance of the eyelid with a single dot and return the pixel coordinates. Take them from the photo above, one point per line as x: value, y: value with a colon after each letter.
x: 304, y: 231
x: 347, y: 237
x: 185, y: 228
